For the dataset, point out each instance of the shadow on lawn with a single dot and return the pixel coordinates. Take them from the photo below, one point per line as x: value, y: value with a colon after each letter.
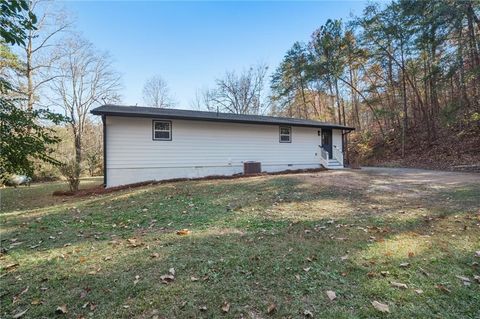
x: 182, y: 205
x: 256, y: 204
x: 251, y: 257
x: 250, y: 270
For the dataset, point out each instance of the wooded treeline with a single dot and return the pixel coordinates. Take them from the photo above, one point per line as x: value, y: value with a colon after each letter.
x: 51, y: 78
x: 409, y: 68
x: 406, y: 75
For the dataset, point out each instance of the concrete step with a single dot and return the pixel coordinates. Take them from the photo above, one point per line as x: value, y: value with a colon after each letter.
x: 334, y: 164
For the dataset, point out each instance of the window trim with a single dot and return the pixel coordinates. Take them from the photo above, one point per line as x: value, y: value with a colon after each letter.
x: 280, y: 134
x: 153, y: 130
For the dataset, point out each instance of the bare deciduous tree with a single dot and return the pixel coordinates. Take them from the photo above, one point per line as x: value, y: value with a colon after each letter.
x: 39, y: 53
x: 85, y: 79
x: 239, y: 93
x: 156, y: 93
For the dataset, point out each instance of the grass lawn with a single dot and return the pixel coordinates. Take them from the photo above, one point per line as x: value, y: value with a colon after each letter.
x: 267, y: 246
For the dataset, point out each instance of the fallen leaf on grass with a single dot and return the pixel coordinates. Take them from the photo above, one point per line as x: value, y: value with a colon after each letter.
x: 107, y: 258
x: 24, y: 291
x: 271, y: 308
x: 132, y: 242
x: 423, y: 271
x: 477, y: 278
x: 16, y: 244
x: 443, y: 288
x: 95, y: 271
x: 380, y: 306
x: 398, y: 285
x: 94, y: 306
x: 463, y: 278
x: 419, y: 291
x: 308, y: 314
x: 172, y: 271
x: 10, y: 266
x: 225, y: 307
x: 385, y: 273
x: 331, y: 295
x: 193, y: 278
x: 35, y: 302
x: 307, y: 269
x: 404, y: 265
x: 20, y: 314
x: 155, y: 255
x: 202, y: 308
x: 167, y: 278
x: 61, y: 309
x: 137, y: 279
x: 477, y: 253
x: 183, y: 232
x: 344, y: 257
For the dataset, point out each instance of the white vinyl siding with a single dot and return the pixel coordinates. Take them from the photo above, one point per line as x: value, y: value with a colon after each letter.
x: 201, y: 148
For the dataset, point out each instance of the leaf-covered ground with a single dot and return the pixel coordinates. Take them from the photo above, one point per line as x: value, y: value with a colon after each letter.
x: 403, y: 241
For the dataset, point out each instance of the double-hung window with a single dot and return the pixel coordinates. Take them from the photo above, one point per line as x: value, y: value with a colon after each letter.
x: 285, y: 134
x: 162, y: 130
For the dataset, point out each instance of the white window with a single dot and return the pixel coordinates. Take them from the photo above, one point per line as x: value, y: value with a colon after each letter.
x: 285, y: 134
x: 162, y: 130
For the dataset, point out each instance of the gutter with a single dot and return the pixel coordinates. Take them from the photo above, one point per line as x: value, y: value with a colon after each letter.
x: 193, y: 118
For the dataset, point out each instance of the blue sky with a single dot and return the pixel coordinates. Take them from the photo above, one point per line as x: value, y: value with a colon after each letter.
x: 189, y: 44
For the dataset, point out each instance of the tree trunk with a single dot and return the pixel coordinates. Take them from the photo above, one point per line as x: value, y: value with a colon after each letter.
x: 471, y: 35
x: 78, y: 149
x: 404, y: 88
x: 356, y: 114
x: 464, y: 101
x: 29, y: 72
x: 337, y: 98
x: 332, y: 98
x: 474, y: 45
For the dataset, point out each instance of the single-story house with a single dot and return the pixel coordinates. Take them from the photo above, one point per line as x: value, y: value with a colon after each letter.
x: 145, y: 143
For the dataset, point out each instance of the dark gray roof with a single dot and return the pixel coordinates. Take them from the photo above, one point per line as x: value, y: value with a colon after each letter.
x: 154, y: 112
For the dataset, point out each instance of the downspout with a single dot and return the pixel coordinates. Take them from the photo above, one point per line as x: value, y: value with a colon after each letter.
x: 104, y: 121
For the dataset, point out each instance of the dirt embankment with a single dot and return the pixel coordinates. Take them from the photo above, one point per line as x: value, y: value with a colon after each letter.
x: 452, y: 149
